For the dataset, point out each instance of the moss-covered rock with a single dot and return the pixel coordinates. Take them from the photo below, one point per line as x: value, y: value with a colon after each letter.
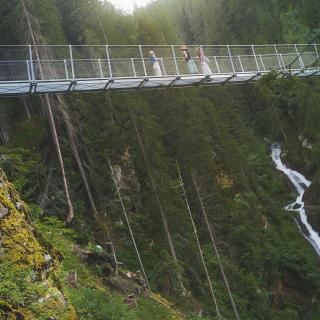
x: 25, y: 278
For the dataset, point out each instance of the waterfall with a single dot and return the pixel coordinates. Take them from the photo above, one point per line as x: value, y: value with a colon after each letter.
x: 301, y: 184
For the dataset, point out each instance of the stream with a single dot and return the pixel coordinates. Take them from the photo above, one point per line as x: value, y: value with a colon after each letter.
x: 301, y: 184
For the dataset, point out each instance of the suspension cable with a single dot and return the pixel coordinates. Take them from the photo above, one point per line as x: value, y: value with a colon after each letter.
x: 199, y: 245
x: 225, y: 279
x: 102, y: 28
x: 128, y: 224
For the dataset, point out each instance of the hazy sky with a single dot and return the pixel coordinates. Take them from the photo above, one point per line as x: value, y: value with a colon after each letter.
x: 128, y: 5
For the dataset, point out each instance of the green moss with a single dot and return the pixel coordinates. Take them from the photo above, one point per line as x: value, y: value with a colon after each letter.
x: 7, y: 312
x: 19, y: 244
x: 22, y: 267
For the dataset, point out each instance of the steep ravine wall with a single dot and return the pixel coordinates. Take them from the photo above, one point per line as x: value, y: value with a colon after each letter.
x: 27, y: 286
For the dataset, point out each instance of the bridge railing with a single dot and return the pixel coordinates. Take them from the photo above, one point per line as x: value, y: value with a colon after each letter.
x: 64, y: 62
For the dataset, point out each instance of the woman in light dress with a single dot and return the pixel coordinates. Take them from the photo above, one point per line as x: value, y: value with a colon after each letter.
x: 155, y: 64
x: 204, y: 62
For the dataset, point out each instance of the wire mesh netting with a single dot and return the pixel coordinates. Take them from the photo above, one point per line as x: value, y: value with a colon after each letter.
x: 126, y: 61
x: 14, y: 71
x: 14, y: 63
x: 85, y: 63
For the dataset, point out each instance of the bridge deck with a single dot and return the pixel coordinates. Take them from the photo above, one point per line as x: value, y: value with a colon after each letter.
x: 42, y: 69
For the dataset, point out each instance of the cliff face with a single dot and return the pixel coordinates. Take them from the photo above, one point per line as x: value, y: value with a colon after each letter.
x: 27, y: 285
x: 43, y: 273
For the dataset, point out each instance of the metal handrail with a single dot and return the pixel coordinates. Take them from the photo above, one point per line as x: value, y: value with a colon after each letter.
x: 110, y: 64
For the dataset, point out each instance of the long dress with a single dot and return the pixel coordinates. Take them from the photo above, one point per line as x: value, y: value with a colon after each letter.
x: 191, y: 65
x: 204, y: 64
x: 156, y: 66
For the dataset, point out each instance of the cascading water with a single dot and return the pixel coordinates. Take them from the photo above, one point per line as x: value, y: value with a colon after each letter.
x: 300, y: 183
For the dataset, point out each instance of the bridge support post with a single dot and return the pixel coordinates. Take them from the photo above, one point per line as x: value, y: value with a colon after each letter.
x: 217, y: 64
x: 108, y: 60
x: 300, y: 58
x: 71, y: 61
x: 31, y: 63
x: 143, y: 63
x: 232, y: 64
x: 255, y: 58
x: 100, y: 69
x: 278, y: 57
x: 133, y: 68
x: 175, y: 60
x: 262, y: 63
x: 66, y: 68
x: 316, y: 51
x: 28, y: 69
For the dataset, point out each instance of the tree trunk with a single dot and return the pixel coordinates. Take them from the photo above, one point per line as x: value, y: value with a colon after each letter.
x: 76, y: 154
x: 46, y: 102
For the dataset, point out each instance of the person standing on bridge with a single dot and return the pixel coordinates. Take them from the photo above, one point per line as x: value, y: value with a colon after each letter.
x: 203, y: 62
x: 191, y: 65
x: 155, y: 64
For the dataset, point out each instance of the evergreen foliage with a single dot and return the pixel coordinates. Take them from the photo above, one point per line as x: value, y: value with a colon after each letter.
x: 221, y: 135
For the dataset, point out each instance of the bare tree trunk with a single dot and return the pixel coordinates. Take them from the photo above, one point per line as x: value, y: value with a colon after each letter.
x: 46, y: 102
x: 225, y: 279
x: 162, y: 214
x: 199, y: 246
x: 76, y: 154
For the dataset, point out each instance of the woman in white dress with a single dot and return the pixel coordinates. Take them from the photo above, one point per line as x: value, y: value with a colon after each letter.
x: 155, y: 64
x: 204, y: 62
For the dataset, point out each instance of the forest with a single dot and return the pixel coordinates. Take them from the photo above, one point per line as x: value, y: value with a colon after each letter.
x: 167, y: 196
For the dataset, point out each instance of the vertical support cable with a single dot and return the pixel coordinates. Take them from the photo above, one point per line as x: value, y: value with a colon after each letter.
x: 108, y: 60
x: 175, y: 60
x: 255, y: 58
x: 158, y: 201
x: 31, y: 63
x: 230, y: 56
x: 199, y: 245
x: 224, y: 276
x: 128, y: 223
x: 71, y: 61
x: 143, y: 62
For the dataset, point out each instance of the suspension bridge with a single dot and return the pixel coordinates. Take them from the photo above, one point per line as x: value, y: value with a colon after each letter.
x: 29, y: 69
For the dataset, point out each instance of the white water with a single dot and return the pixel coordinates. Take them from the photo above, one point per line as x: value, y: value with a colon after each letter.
x: 300, y: 183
